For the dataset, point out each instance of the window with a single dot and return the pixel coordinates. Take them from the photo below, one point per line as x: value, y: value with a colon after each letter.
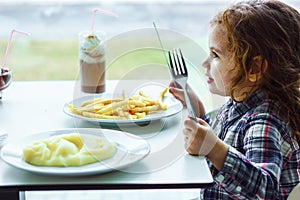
x: 51, y: 52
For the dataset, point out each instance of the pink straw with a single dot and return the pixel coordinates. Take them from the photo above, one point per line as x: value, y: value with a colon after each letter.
x: 8, y: 45
x: 103, y: 12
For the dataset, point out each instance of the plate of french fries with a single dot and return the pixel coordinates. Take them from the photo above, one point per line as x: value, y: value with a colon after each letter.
x: 109, y: 108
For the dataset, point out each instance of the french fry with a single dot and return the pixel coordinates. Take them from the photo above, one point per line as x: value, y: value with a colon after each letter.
x: 140, y: 115
x: 74, y: 109
x: 91, y: 101
x: 160, y: 99
x: 100, y: 116
x: 146, y: 109
x: 99, y: 101
x: 141, y: 93
x: 110, y: 107
x: 136, y: 103
x: 149, y: 101
x: 124, y: 108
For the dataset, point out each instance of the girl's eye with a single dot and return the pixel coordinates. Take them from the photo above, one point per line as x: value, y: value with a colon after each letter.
x: 214, y: 55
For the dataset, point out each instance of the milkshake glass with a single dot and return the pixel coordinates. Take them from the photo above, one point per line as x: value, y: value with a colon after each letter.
x: 92, y: 59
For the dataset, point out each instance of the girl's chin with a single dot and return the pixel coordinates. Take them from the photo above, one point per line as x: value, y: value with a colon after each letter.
x: 214, y: 90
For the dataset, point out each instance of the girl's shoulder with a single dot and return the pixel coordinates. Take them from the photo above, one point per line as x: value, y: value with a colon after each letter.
x: 267, y: 111
x: 258, y: 105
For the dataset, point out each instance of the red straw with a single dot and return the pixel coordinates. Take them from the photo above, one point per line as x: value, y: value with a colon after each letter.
x: 8, y: 45
x: 103, y: 12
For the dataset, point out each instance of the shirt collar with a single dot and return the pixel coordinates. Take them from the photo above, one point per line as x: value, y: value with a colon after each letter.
x: 232, y: 109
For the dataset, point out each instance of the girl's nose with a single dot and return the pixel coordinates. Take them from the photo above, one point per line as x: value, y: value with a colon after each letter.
x: 205, y: 63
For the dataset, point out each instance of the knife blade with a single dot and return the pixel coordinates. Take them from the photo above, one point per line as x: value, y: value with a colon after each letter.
x: 161, y: 45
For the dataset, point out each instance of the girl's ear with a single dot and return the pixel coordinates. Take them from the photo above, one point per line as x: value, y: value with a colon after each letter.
x: 258, y: 67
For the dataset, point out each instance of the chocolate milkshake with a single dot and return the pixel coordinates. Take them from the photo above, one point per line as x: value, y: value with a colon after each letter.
x: 92, y: 62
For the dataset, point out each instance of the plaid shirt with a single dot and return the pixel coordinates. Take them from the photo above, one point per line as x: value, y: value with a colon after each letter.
x: 263, y: 161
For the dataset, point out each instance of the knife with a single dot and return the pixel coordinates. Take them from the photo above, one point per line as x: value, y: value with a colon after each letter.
x: 161, y: 45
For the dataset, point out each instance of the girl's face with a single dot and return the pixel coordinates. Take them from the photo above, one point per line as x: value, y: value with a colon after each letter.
x: 219, y: 68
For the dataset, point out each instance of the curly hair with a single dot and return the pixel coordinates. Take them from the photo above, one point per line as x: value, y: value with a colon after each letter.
x: 269, y: 29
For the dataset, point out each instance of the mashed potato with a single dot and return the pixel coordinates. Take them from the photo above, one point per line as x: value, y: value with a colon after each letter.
x: 69, y: 150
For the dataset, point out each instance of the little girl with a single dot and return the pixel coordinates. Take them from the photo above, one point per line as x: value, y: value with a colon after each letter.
x: 252, y: 145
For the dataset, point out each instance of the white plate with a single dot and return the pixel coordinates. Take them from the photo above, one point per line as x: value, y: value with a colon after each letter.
x: 174, y: 107
x: 131, y: 149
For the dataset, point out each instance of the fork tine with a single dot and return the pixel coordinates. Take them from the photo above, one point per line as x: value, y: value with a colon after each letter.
x: 170, y: 59
x: 178, y: 63
x: 171, y: 64
x: 183, y: 63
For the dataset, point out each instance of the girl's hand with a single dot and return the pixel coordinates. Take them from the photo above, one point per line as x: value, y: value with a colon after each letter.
x: 177, y: 92
x: 200, y: 140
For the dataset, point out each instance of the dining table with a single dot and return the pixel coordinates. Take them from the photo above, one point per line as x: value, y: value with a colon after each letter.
x: 30, y: 108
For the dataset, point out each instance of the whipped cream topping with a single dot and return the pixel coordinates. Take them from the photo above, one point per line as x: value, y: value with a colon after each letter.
x: 92, y: 49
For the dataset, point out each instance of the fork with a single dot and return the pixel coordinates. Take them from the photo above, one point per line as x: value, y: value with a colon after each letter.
x: 179, y: 73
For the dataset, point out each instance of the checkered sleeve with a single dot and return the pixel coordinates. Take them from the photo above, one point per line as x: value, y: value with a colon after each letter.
x: 207, y: 119
x: 255, y: 173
